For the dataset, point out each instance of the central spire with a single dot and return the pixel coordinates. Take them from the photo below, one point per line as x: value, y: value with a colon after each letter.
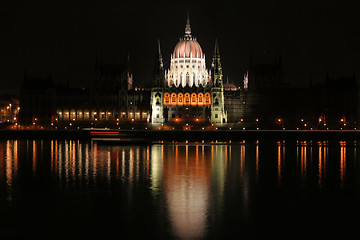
x: 188, y: 28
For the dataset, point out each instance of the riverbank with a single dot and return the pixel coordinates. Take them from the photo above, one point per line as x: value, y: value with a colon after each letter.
x: 179, y: 135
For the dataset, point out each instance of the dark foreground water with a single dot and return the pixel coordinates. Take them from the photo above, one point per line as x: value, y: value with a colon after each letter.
x: 240, y: 190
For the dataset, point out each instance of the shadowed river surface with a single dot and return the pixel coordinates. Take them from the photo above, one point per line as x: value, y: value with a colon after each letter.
x: 179, y: 190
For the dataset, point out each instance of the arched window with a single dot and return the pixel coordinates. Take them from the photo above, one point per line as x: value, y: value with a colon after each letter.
x: 173, y: 99
x: 187, y: 79
x: 193, y: 99
x: 72, y: 114
x: 86, y: 114
x: 166, y: 99
x: 180, y: 99
x: 200, y: 99
x: 60, y: 114
x: 216, y: 102
x: 187, y: 99
x: 207, y: 99
x: 79, y: 114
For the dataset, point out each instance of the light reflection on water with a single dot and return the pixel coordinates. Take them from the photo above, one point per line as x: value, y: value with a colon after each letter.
x: 196, y: 188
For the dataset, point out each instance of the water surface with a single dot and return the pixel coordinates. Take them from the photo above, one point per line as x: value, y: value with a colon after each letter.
x: 179, y: 190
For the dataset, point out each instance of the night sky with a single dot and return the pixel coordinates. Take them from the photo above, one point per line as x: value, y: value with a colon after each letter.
x: 63, y: 37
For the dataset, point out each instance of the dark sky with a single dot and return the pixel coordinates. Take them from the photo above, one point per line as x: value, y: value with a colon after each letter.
x: 64, y: 37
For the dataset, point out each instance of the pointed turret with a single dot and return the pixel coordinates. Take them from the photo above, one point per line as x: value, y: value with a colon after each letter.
x: 158, y: 74
x: 218, y: 114
x: 216, y: 67
x: 160, y: 55
x: 188, y: 28
x: 216, y: 50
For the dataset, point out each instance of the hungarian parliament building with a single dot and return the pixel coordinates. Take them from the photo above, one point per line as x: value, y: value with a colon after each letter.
x: 189, y: 95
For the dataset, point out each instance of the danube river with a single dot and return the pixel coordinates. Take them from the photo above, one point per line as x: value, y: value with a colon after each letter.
x: 265, y: 189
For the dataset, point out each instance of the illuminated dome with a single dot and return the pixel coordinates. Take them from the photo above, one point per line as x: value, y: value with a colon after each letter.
x: 187, y: 63
x: 187, y: 47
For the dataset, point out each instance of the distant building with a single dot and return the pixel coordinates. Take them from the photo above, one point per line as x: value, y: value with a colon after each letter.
x: 9, y: 109
x: 110, y: 101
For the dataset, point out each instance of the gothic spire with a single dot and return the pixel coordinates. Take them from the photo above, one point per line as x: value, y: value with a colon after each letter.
x: 216, y: 50
x: 160, y: 55
x: 188, y: 28
x: 158, y: 74
x: 216, y: 66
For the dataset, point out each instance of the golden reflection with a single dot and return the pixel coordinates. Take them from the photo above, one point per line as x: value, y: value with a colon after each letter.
x: 242, y: 158
x: 51, y: 156
x: 9, y: 167
x: 257, y: 159
x: 320, y: 164
x: 147, y: 161
x: 56, y: 156
x: 186, y: 187
x: 94, y: 165
x: 108, y: 167
x: 60, y: 161
x: 15, y: 152
x: 131, y: 164
x: 279, y: 162
x: 80, y: 157
x: 303, y: 157
x: 66, y: 153
x: 117, y: 165
x: 122, y: 163
x: 34, y: 156
x: 87, y: 162
x: 156, y: 168
x: 137, y: 163
x: 342, y: 162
